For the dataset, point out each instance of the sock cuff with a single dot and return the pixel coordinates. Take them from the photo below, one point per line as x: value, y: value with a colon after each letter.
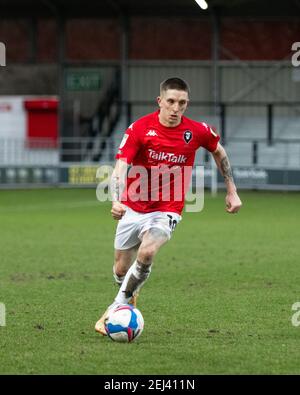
x: 118, y: 279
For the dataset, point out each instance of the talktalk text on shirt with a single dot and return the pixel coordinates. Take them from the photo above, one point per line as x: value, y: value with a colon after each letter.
x: 167, y: 156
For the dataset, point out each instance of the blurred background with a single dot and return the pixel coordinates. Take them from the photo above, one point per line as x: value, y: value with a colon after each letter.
x: 75, y: 74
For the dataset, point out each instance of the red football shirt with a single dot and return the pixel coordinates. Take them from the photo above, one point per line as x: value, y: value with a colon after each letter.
x: 162, y: 159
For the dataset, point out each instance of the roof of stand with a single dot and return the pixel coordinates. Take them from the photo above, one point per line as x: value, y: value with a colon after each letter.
x: 110, y: 8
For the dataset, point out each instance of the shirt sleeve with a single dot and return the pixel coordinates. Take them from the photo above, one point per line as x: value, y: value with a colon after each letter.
x: 130, y: 144
x: 210, y: 137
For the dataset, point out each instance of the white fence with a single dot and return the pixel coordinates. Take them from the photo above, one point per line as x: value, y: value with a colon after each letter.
x: 283, y: 154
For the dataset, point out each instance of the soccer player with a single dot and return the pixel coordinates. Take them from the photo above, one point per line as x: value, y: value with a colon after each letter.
x: 158, y: 146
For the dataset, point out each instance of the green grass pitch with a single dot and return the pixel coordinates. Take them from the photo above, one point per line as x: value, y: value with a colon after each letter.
x: 219, y: 299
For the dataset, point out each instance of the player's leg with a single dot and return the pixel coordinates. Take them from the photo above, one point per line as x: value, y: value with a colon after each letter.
x: 149, y: 232
x: 123, y: 261
x: 152, y: 240
x: 126, y: 244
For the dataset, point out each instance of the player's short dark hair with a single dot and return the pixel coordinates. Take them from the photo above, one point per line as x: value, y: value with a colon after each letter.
x: 175, y: 83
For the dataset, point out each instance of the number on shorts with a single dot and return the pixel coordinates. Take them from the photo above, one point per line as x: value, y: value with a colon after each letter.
x: 172, y: 222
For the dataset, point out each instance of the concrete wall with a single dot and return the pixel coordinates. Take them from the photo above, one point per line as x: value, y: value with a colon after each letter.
x: 29, y: 80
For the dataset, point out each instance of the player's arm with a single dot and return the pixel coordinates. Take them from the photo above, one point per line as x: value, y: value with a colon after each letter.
x: 117, y: 185
x: 233, y: 202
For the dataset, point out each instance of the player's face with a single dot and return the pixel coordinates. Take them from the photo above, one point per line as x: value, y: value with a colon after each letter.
x: 172, y: 104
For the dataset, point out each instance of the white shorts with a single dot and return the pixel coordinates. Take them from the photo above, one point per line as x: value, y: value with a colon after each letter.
x: 132, y: 226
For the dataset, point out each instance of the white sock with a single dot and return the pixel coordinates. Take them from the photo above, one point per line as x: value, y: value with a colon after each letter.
x: 119, y: 279
x: 133, y: 281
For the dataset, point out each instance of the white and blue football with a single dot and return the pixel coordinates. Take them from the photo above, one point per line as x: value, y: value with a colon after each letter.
x: 125, y: 323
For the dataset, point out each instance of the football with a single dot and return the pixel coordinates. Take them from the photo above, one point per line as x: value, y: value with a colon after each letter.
x: 125, y: 323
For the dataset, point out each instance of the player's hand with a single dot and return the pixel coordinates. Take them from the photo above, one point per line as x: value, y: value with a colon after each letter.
x: 118, y: 210
x: 233, y: 202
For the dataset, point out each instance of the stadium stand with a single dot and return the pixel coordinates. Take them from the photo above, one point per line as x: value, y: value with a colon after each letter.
x: 105, y: 60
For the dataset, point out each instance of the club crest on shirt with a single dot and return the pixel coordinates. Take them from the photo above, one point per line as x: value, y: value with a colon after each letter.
x: 187, y: 136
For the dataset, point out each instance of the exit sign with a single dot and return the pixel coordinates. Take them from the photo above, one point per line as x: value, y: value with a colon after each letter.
x: 83, y: 80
